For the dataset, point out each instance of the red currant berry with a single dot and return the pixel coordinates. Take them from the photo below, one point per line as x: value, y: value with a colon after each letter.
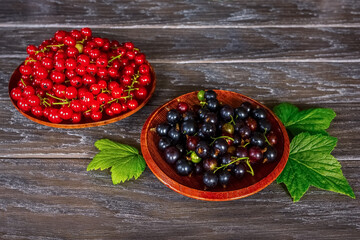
x: 72, y: 51
x: 124, y: 107
x: 144, y: 69
x: 69, y: 74
x: 182, y: 107
x: 76, y: 81
x: 60, y: 35
x: 102, y: 84
x: 129, y: 46
x: 121, y: 51
x: 33, y: 100
x: 109, y: 112
x: 83, y: 60
x: 144, y: 80
x: 94, y: 53
x: 37, y: 111
x: 25, y: 70
x: 114, y: 44
x: 139, y: 59
x: 46, y: 84
x: 81, y: 70
x: 141, y: 93
x: 65, y: 112
x: 130, y: 55
x: 94, y: 106
x: 59, y: 90
x: 113, y: 85
x: 70, y: 92
x: 88, y: 79
x: 113, y: 72
x: 103, y: 98
x: 96, y: 116
x: 86, y: 32
x: 101, y: 62
x: 125, y: 80
x: 99, y: 41
x: 31, y: 49
x: 92, y: 69
x: 47, y: 111
x: 87, y: 114
x: 76, y: 34
x: 54, y: 116
x: 76, y: 105
x: 70, y: 41
x: 116, y: 108
x: 117, y: 92
x: 57, y: 77
x: 82, y: 91
x: 116, y: 64
x: 15, y: 93
x: 124, y: 62
x: 87, y: 98
x: 70, y: 63
x: 23, y: 105
x: 132, y: 104
x: 102, y: 72
x: 95, y: 89
x: 106, y: 46
x: 41, y: 73
x: 47, y: 63
x: 59, y: 64
x: 60, y: 55
x: 28, y: 91
x: 76, y: 117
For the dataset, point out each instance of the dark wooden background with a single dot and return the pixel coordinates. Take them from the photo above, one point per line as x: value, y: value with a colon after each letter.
x: 303, y: 52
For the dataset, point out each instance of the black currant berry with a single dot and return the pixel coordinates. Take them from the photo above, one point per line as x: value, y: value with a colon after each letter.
x: 162, y: 129
x: 183, y: 167
x: 210, y: 179
x: 172, y: 154
x: 173, y: 116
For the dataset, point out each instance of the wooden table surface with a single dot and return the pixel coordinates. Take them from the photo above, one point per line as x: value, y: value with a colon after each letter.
x: 303, y: 52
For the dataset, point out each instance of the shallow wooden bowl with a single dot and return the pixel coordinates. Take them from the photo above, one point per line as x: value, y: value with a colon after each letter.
x: 15, y: 77
x: 193, y: 186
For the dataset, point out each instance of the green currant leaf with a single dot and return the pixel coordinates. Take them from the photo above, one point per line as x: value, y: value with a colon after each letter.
x: 311, y: 164
x: 124, y: 161
x: 314, y: 120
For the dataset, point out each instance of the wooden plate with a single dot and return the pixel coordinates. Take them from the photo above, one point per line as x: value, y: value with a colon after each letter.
x: 193, y: 186
x: 15, y: 77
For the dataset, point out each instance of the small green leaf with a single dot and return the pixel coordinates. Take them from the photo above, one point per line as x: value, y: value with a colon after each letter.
x: 315, y: 120
x: 124, y: 161
x: 311, y: 164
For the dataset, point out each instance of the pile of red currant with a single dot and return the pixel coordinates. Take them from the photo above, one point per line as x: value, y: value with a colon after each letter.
x: 216, y: 141
x: 76, y: 77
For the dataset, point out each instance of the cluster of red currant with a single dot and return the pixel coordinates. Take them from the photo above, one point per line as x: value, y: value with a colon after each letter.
x: 76, y: 77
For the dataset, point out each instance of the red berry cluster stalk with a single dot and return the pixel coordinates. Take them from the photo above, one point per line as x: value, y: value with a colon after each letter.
x: 74, y: 77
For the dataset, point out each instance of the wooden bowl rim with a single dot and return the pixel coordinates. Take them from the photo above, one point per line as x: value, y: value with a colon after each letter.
x: 85, y: 125
x: 208, y: 195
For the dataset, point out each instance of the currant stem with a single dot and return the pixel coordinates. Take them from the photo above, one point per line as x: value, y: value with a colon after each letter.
x: 226, y: 137
x: 113, y: 58
x: 232, y: 120
x: 60, y: 99
x: 22, y: 81
x: 228, y: 164
x: 251, y: 171
x: 266, y: 140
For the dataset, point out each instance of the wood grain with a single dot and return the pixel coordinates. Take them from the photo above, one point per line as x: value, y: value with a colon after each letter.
x: 184, y: 45
x: 58, y: 199
x: 162, y: 13
x: 304, y: 52
x: 333, y: 85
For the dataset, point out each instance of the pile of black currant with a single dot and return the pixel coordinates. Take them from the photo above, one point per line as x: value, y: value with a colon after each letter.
x: 216, y: 140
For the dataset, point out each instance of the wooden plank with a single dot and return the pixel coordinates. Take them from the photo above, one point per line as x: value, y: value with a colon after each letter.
x: 137, y: 12
x: 57, y: 198
x: 183, y: 45
x: 333, y: 85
